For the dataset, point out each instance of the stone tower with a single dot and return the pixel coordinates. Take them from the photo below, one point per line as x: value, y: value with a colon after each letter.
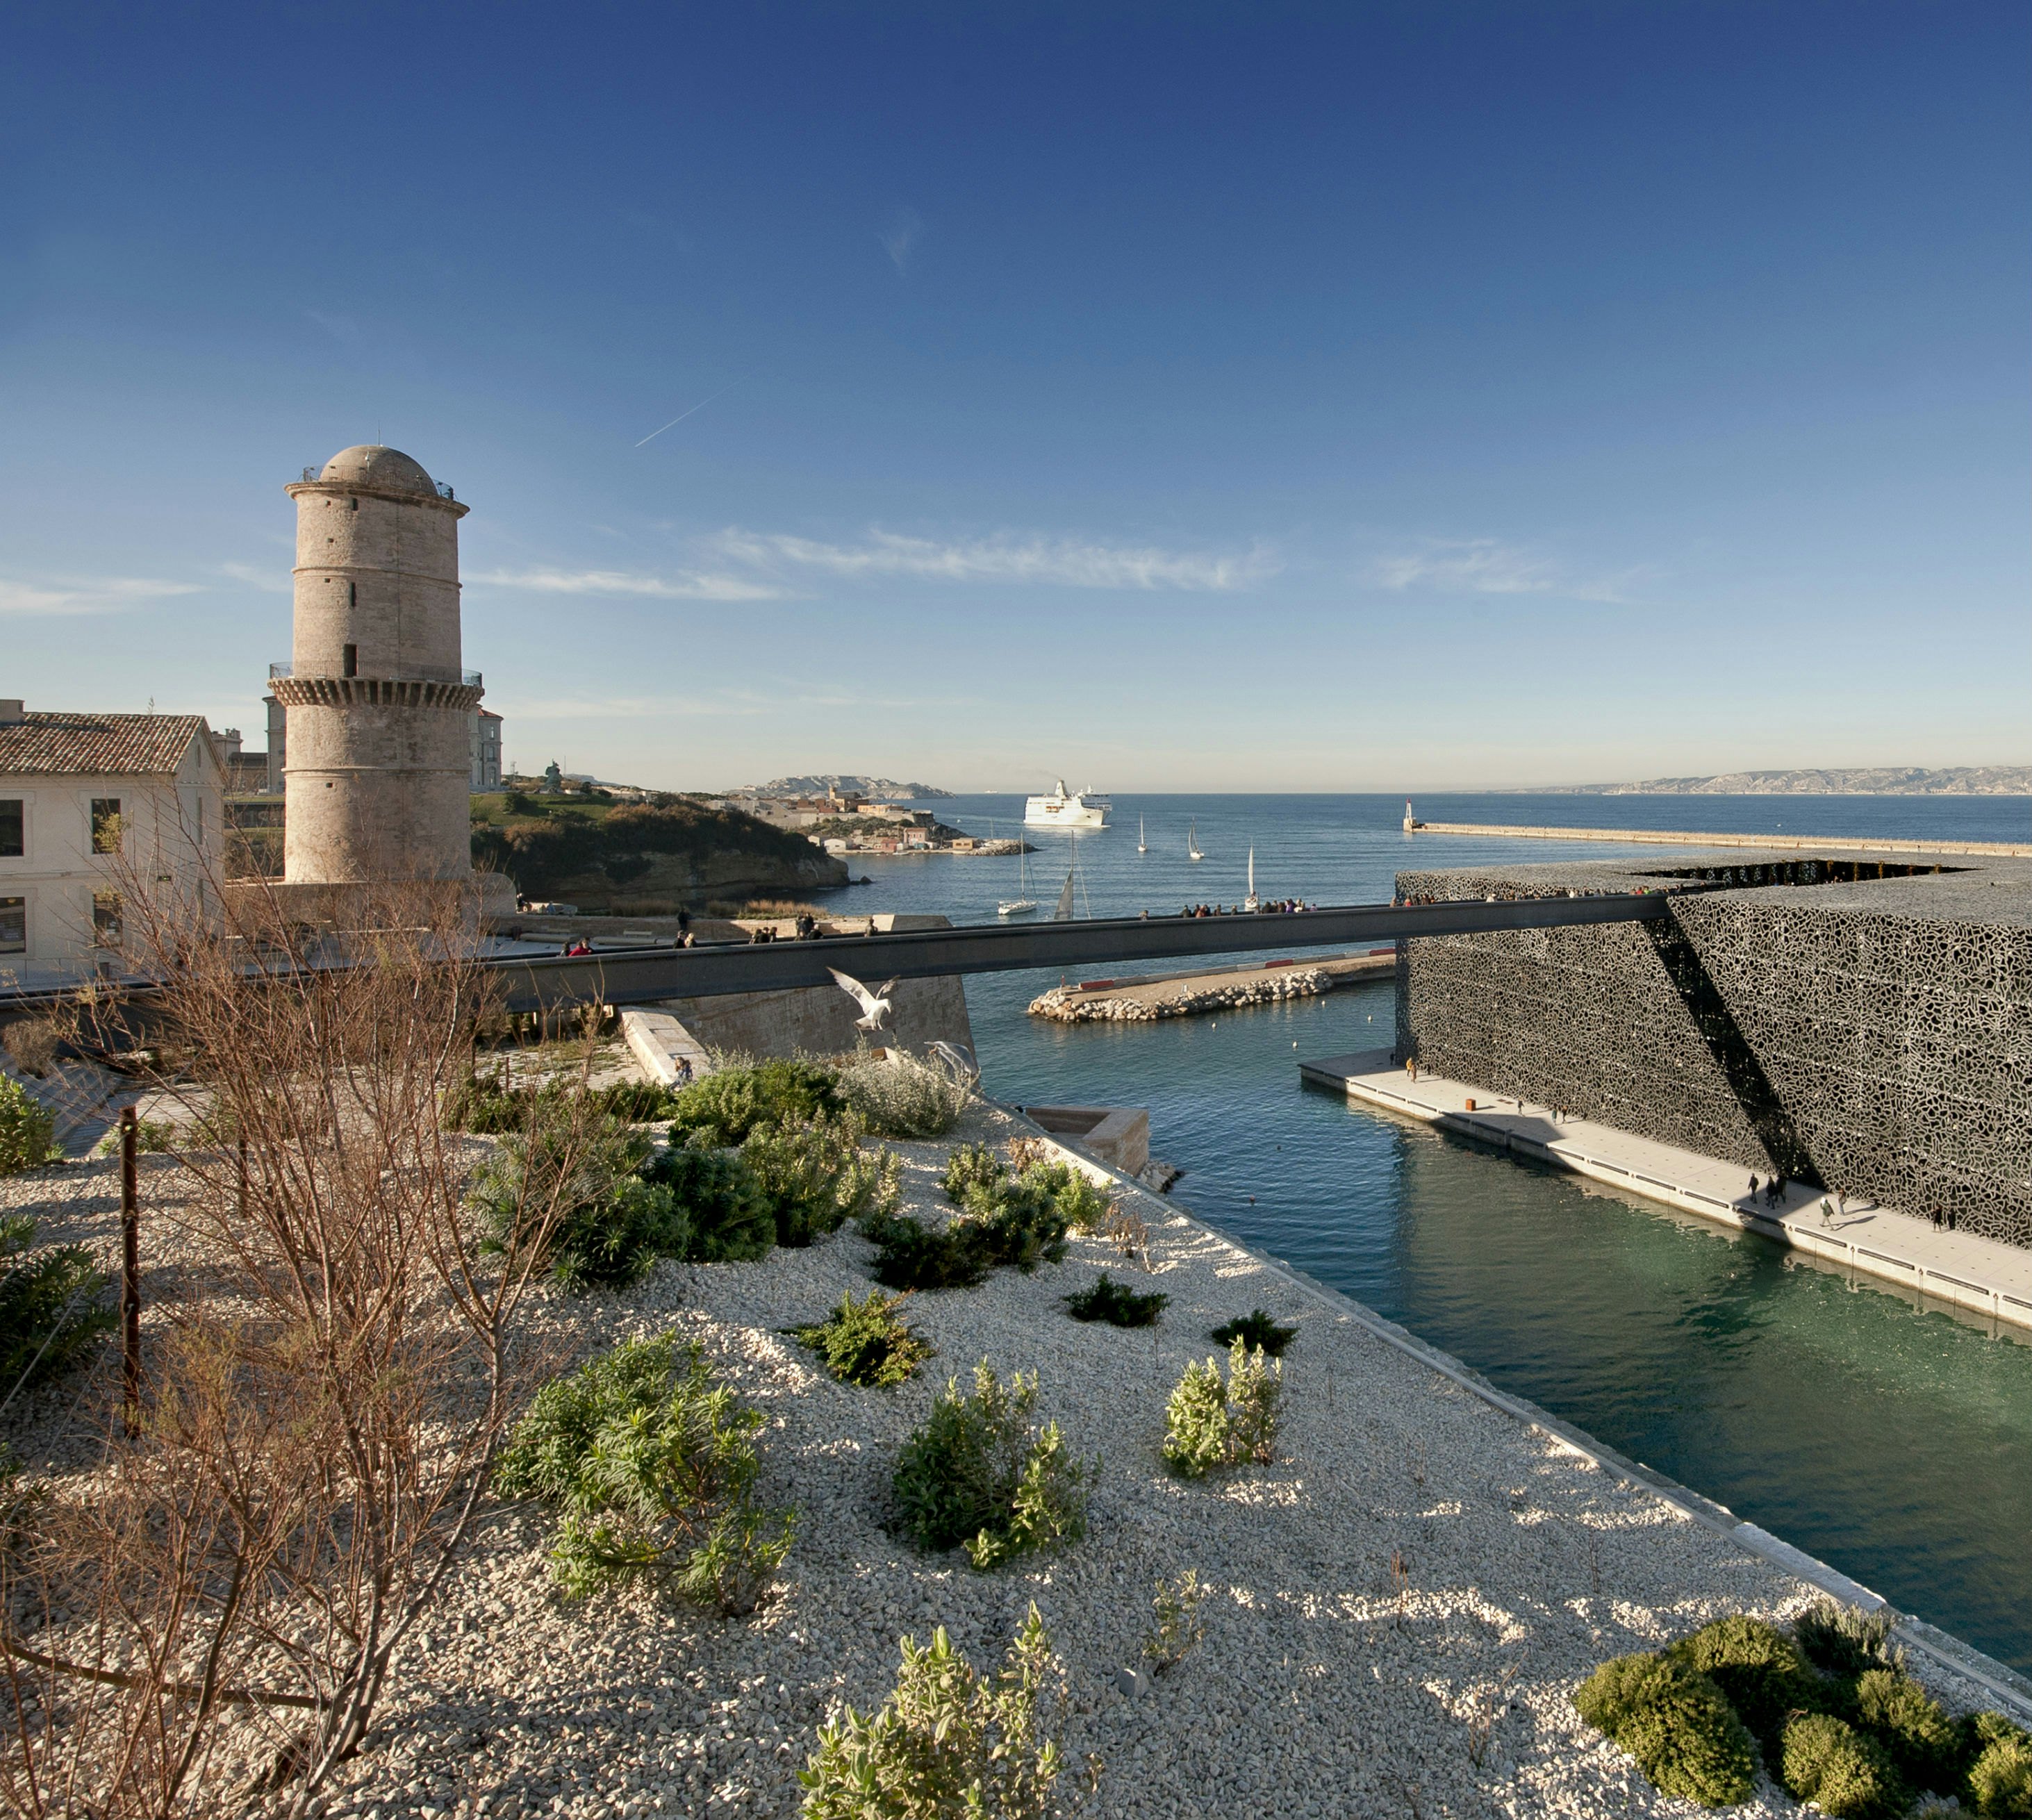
x: 375, y: 780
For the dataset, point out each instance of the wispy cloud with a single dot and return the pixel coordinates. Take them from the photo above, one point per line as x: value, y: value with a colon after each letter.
x: 692, y: 587
x: 76, y: 595
x: 900, y: 237
x: 1063, y: 563
x: 1488, y: 565
x: 269, y: 581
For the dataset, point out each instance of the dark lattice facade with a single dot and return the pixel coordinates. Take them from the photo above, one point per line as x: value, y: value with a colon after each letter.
x: 1873, y: 1035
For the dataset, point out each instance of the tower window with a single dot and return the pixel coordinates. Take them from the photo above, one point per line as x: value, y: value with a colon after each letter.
x: 353, y: 661
x: 353, y: 593
x: 354, y: 504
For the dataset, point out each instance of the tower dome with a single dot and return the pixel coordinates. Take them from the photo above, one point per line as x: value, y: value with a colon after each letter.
x: 372, y: 465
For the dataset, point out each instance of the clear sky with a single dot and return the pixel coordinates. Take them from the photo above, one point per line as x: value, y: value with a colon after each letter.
x: 1174, y: 397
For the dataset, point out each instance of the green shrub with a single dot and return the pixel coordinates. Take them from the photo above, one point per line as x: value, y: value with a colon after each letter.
x: 900, y: 1096
x: 1922, y: 1743
x: 866, y: 1342
x: 1108, y: 1301
x: 972, y: 1166
x: 1020, y: 1224
x: 915, y: 1256
x: 1762, y: 1672
x: 27, y: 1133
x: 633, y: 1102
x: 727, y: 1105
x: 1073, y: 1195
x: 1838, y: 1639
x: 979, y: 1472
x: 1826, y: 1760
x: 487, y: 1106
x: 817, y: 1177
x: 1676, y: 1723
x: 1255, y: 1329
x: 731, y: 1217
x: 1207, y: 1426
x: 52, y: 1307
x: 1176, y: 1627
x: 652, y: 1466
x: 946, y: 1743
x: 2000, y: 1780
x: 618, y: 1241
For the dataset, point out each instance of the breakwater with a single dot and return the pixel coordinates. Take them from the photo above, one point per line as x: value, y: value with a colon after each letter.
x: 1146, y: 998
x: 1763, y: 843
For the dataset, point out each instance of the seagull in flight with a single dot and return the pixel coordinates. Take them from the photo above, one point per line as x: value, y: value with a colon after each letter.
x: 959, y: 1062
x: 874, y: 1006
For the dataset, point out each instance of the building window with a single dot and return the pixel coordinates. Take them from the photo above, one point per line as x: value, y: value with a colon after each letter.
x: 351, y: 660
x: 106, y: 919
x: 353, y: 593
x: 12, y: 841
x: 14, y: 925
x: 106, y: 824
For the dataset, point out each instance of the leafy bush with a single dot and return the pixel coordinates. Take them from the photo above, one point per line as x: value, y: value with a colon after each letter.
x: 946, y: 1743
x: 27, y: 1133
x: 731, y: 1217
x: 1020, y: 1224
x: 1106, y: 1300
x: 653, y: 1467
x: 634, y: 1102
x: 1676, y: 1723
x: 1921, y: 1740
x: 1207, y: 1426
x: 1077, y: 1199
x: 31, y: 1045
x: 900, y: 1096
x: 1838, y: 1639
x: 865, y: 1342
x: 1255, y: 1329
x: 1177, y: 1628
x: 915, y: 1256
x: 2000, y: 1780
x: 487, y: 1106
x: 729, y: 1103
x: 51, y: 1306
x: 1762, y: 1672
x: 1827, y: 1761
x: 971, y: 1166
x: 817, y: 1177
x: 979, y: 1472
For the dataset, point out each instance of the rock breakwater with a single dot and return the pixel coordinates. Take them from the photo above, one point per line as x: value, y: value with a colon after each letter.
x: 1071, y: 1005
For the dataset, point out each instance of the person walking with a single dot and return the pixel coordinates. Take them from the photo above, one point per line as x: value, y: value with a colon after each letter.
x: 1752, y: 1187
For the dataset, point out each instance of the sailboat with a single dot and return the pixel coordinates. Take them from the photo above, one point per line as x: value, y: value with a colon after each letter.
x: 1142, y: 846
x: 1193, y: 842
x: 1022, y: 904
x: 1249, y: 902
x: 1064, y: 912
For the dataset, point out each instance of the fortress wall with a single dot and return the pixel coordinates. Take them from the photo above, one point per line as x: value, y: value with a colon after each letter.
x: 1874, y: 1038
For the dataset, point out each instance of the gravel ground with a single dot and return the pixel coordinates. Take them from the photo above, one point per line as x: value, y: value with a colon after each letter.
x: 1413, y: 1562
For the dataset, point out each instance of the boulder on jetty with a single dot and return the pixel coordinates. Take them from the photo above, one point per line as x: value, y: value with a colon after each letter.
x: 1069, y: 1005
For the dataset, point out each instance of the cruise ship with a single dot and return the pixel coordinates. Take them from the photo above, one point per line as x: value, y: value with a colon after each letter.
x: 1065, y: 807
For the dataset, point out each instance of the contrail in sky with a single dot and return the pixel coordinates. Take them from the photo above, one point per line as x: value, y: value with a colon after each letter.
x: 680, y: 417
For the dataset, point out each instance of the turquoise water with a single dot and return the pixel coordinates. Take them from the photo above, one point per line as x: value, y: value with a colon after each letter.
x: 1893, y: 1443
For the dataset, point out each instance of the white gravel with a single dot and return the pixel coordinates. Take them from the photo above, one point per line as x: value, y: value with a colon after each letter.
x: 1322, y: 1688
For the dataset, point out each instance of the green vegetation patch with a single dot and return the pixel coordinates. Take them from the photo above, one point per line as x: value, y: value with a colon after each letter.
x: 1108, y: 1300
x: 979, y: 1472
x: 867, y: 1342
x: 817, y: 1177
x: 1999, y: 1777
x: 53, y: 1306
x: 1208, y: 1425
x: 1763, y: 1673
x: 1255, y: 1330
x: 27, y: 1133
x: 1678, y: 1724
x: 1923, y: 1743
x: 652, y: 1466
x: 1846, y: 1773
x: 729, y: 1103
x: 897, y: 1096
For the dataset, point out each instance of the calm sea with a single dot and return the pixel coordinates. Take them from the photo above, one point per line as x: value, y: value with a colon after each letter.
x: 1896, y: 1445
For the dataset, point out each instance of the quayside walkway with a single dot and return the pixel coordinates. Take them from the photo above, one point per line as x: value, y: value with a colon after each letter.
x: 1977, y: 1274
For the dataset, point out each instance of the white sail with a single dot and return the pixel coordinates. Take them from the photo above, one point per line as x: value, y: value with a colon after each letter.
x: 1142, y: 846
x: 1249, y: 902
x: 1064, y: 912
x: 1193, y: 842
x: 1022, y: 903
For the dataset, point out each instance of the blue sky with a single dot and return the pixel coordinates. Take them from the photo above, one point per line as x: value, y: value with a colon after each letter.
x: 1342, y: 397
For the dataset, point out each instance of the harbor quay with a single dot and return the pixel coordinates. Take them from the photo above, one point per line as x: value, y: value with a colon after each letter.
x: 1857, y: 1026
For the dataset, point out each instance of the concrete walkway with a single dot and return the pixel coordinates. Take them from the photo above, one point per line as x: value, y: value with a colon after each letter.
x: 1980, y: 1275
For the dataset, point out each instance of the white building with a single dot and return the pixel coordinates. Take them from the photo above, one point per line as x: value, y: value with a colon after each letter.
x: 92, y: 805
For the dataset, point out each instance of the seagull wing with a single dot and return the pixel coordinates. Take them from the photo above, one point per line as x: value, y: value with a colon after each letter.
x: 854, y: 990
x: 888, y: 987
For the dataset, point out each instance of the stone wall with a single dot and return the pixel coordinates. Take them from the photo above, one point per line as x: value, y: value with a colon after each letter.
x: 1872, y: 1036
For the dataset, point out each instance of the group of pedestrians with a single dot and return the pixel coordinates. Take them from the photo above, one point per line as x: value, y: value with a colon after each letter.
x: 1278, y: 907
x: 1774, y: 1190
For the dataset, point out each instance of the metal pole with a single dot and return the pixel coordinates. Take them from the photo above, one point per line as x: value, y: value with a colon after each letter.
x: 130, y: 1270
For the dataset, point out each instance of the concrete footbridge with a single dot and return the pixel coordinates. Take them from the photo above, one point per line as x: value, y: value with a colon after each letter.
x: 644, y: 976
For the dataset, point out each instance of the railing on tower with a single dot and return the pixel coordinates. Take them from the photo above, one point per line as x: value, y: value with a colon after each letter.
x: 416, y: 672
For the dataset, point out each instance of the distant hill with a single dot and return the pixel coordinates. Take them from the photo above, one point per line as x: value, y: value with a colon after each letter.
x: 1884, y: 780
x: 878, y: 788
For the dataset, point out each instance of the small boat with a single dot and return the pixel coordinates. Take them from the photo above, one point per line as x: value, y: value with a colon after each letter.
x: 1064, y: 807
x: 1022, y: 904
x: 1064, y: 912
x: 1142, y: 846
x: 1193, y: 842
x: 1251, y: 903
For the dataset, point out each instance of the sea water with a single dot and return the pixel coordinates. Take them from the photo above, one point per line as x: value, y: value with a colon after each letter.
x: 1894, y: 1442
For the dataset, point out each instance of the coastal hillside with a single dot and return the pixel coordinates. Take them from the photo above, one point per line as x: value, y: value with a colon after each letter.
x: 641, y: 859
x: 1882, y: 780
x: 875, y: 789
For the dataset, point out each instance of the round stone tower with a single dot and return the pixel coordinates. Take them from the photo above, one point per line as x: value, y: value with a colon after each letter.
x: 377, y: 756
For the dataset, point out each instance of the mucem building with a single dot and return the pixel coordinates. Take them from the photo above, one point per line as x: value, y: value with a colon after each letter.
x: 1853, y: 1023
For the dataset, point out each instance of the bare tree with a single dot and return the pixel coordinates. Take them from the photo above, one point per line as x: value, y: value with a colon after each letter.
x: 325, y: 1396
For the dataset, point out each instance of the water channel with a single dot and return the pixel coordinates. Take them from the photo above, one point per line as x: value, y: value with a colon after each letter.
x: 1892, y: 1441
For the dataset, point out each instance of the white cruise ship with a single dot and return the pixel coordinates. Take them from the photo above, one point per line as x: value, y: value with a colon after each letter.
x: 1065, y: 807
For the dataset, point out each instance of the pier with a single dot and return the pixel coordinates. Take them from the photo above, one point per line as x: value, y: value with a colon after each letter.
x: 1979, y: 1275
x: 1762, y: 843
x: 1143, y: 998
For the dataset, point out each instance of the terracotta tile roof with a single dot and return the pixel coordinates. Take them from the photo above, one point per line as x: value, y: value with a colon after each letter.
x: 96, y: 744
